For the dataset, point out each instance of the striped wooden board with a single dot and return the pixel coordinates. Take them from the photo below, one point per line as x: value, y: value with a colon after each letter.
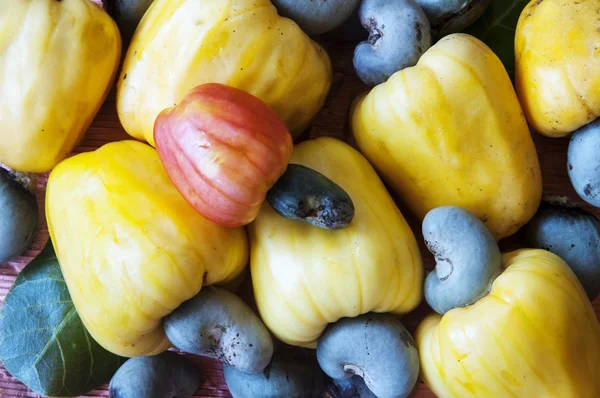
x: 331, y: 121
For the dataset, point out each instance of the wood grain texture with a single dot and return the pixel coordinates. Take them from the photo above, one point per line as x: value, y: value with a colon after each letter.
x: 331, y: 121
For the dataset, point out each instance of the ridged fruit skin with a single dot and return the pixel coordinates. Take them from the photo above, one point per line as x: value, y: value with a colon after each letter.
x: 58, y: 60
x: 130, y: 248
x: 534, y: 335
x: 556, y: 64
x: 306, y: 277
x: 450, y: 132
x: 180, y: 44
x: 223, y: 149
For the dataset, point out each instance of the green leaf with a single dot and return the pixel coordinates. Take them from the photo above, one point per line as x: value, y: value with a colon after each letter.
x: 43, y: 342
x: 496, y: 28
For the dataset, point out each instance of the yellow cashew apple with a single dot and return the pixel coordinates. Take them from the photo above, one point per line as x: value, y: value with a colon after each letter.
x: 130, y: 247
x: 557, y: 59
x: 58, y: 60
x: 181, y: 44
x: 534, y: 334
x: 306, y: 277
x: 450, y: 132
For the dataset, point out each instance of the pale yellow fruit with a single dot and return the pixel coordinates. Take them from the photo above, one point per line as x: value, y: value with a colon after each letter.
x: 130, y: 247
x: 181, y: 44
x: 534, y: 335
x: 58, y: 60
x: 306, y: 277
x: 557, y: 49
x: 450, y: 132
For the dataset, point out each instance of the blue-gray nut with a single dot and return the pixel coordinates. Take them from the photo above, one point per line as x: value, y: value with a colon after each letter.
x: 376, y: 347
x: 572, y: 235
x: 284, y: 377
x: 584, y: 162
x: 18, y: 217
x: 452, y: 16
x: 316, y: 16
x: 218, y: 324
x: 399, y: 33
x: 467, y: 258
x: 164, y: 375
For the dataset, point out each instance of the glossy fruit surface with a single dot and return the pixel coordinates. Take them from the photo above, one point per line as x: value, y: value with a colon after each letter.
x: 181, y: 44
x: 450, y: 132
x: 223, y: 149
x: 534, y: 335
x: 305, y: 277
x: 130, y: 248
x: 57, y: 63
x: 557, y: 59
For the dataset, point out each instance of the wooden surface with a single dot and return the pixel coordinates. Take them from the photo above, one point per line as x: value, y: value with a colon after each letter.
x: 331, y: 121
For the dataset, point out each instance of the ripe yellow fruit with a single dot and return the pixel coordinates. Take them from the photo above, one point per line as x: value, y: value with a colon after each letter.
x: 450, y: 132
x: 557, y: 49
x: 181, y: 44
x: 58, y: 60
x: 130, y: 247
x: 305, y: 277
x: 534, y: 335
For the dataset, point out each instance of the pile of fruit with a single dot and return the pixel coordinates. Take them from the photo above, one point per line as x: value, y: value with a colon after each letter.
x: 149, y: 237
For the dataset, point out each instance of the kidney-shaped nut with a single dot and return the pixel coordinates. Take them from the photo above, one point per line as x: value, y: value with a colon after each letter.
x: 572, y: 235
x: 303, y: 194
x: 399, y: 33
x: 353, y: 387
x: 452, y: 16
x: 316, y: 16
x: 376, y: 347
x: 283, y: 377
x: 584, y: 162
x: 18, y: 217
x: 165, y: 375
x: 467, y: 258
x: 218, y: 324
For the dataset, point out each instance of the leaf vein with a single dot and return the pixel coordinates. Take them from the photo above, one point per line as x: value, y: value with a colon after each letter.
x: 497, y: 21
x: 87, y: 339
x: 72, y: 312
